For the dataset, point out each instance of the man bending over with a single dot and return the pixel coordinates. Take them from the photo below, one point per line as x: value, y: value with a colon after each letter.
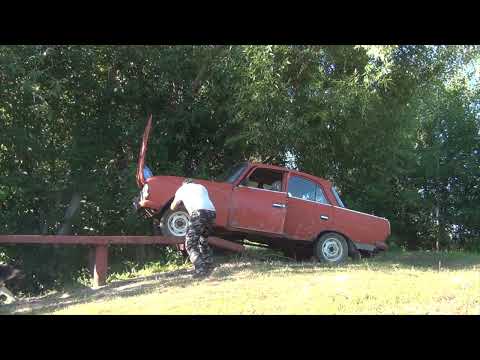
x: 202, y: 213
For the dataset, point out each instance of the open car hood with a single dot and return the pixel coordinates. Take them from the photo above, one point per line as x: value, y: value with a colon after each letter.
x: 143, y: 152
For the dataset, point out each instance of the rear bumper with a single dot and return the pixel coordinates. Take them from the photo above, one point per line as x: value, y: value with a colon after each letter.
x: 377, y: 246
x: 381, y: 246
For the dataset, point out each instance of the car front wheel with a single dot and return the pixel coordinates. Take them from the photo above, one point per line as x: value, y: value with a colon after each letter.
x: 331, y: 248
x: 174, y: 223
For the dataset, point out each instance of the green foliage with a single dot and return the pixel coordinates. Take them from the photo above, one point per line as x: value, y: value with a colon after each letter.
x: 395, y: 127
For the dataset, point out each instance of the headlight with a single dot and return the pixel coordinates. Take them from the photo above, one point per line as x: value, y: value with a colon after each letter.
x: 145, y: 192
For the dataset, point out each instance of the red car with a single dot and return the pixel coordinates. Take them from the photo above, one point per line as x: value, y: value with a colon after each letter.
x: 275, y: 206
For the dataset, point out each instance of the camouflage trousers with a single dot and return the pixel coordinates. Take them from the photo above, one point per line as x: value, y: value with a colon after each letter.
x: 196, y: 239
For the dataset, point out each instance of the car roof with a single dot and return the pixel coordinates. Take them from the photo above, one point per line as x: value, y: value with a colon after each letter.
x: 274, y: 167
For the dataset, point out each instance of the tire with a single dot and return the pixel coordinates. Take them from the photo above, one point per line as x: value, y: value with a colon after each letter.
x: 161, y: 227
x: 331, y: 248
x: 174, y: 223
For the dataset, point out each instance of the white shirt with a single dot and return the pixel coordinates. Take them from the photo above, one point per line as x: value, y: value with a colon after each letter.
x: 194, y: 197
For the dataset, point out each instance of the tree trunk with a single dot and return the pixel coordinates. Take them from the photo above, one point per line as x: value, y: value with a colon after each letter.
x: 69, y: 214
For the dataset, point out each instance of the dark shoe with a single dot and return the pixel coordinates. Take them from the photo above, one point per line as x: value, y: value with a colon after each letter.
x: 201, y: 271
x: 200, y: 274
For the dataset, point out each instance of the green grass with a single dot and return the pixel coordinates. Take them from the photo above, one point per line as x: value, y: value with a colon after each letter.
x: 262, y: 283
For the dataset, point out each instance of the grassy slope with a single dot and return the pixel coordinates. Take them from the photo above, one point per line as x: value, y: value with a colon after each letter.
x: 393, y: 283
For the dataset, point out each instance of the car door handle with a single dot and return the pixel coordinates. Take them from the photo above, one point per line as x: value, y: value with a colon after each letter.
x: 279, y: 205
x: 323, y: 217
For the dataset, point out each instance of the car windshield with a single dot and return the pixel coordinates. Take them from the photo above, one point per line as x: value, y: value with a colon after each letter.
x: 337, y: 197
x: 233, y: 173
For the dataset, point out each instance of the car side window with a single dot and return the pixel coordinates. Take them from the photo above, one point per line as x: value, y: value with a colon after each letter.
x: 265, y: 179
x: 301, y: 188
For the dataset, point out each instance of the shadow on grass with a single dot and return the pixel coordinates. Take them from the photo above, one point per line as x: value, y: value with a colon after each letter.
x: 231, y: 268
x: 122, y: 288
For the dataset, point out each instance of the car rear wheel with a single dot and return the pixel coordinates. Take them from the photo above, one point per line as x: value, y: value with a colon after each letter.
x: 331, y: 248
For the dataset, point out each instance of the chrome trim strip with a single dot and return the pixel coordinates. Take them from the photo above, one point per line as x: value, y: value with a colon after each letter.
x: 248, y: 187
x: 312, y: 201
x: 359, y: 212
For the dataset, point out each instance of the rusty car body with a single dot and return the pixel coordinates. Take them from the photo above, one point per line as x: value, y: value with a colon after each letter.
x: 271, y: 205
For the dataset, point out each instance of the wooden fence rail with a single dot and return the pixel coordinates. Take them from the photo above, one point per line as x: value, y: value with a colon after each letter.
x: 101, y: 244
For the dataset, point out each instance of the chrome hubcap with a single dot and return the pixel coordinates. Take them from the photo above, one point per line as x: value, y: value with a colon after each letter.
x: 332, y: 249
x: 178, y: 223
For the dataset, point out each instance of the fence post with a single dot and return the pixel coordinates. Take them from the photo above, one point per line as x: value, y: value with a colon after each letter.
x: 101, y: 265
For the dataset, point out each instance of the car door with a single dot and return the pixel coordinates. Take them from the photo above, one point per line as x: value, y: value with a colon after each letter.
x: 258, y: 209
x: 308, y: 210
